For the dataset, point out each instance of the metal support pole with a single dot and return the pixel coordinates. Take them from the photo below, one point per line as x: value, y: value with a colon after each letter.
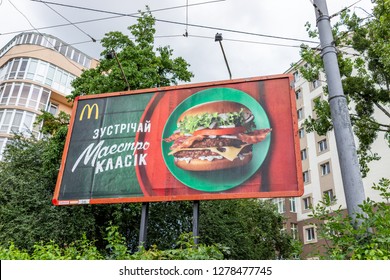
x: 349, y: 164
x: 144, y: 223
x: 195, y: 219
x: 121, y: 68
x: 218, y: 38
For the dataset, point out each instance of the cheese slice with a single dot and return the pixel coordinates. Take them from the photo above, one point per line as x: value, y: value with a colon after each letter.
x: 230, y: 152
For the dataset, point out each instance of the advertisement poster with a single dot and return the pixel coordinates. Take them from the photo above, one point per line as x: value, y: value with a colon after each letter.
x: 220, y: 140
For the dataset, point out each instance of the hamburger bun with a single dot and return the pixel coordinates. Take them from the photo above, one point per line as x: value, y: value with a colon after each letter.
x: 205, y: 165
x: 219, y: 107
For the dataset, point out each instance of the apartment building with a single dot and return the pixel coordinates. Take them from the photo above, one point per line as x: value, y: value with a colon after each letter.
x: 36, y: 72
x: 321, y: 169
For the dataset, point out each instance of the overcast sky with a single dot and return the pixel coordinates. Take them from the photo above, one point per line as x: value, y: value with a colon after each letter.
x: 252, y: 50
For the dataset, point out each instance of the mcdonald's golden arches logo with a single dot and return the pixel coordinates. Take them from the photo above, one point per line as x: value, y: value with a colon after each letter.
x: 90, y: 109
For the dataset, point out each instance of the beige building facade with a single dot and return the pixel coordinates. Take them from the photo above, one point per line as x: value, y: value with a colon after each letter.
x: 36, y: 72
x: 321, y: 169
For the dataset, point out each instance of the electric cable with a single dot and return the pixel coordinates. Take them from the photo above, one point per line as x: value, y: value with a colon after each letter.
x: 344, y: 9
x: 71, y: 61
x: 51, y: 8
x: 247, y: 41
x: 136, y: 13
x: 59, y: 25
x: 185, y: 24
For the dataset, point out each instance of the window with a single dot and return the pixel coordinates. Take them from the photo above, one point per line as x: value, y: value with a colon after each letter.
x: 5, y: 94
x: 22, y: 69
x: 294, y: 230
x: 306, y: 203
x: 17, y: 121
x: 2, y: 145
x: 322, y: 145
x: 296, y: 76
x: 300, y: 113
x: 316, y: 83
x: 301, y: 133
x: 310, y: 234
x: 14, y: 69
x: 303, y: 154
x: 6, y: 120
x: 44, y: 99
x: 293, y: 204
x: 52, y: 108
x: 329, y: 194
x: 39, y: 71
x: 298, y: 94
x: 32, y: 69
x: 279, y: 202
x: 306, y: 178
x: 325, y: 168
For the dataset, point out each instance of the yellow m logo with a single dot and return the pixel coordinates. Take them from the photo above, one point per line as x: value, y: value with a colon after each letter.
x: 89, y: 111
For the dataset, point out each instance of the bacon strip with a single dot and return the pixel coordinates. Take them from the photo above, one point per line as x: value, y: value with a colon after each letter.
x: 186, y: 141
x: 173, y: 137
x: 255, y: 136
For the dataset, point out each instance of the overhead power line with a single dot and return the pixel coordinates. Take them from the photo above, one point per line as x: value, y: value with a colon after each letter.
x: 136, y: 13
x: 82, y: 31
x: 247, y: 41
x: 59, y: 25
x: 184, y: 24
x: 16, y: 8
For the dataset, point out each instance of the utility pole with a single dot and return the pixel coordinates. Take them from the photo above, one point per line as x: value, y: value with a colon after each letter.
x: 349, y: 164
x: 113, y: 54
x: 218, y: 38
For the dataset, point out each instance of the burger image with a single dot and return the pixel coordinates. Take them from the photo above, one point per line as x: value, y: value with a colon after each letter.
x: 215, y: 135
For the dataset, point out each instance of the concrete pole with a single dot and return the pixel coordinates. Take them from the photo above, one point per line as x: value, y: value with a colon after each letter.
x: 144, y: 224
x: 349, y: 164
x: 195, y: 219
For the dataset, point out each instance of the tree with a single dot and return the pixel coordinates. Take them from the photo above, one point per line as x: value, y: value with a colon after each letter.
x: 364, y: 64
x: 369, y: 241
x: 143, y: 66
x: 249, y: 228
x: 27, y: 177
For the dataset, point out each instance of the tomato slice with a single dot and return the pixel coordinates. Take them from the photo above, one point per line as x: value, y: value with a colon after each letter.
x: 220, y: 131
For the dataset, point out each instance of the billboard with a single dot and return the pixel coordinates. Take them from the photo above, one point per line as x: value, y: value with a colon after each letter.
x: 220, y: 140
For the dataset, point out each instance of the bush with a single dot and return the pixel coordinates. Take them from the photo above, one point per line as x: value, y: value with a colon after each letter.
x: 85, y: 249
x: 370, y: 240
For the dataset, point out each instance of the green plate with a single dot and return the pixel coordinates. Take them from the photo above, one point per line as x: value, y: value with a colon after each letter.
x: 219, y: 180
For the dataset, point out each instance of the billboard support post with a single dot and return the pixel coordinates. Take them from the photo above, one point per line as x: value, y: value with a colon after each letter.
x: 349, y: 164
x: 195, y: 218
x: 144, y: 223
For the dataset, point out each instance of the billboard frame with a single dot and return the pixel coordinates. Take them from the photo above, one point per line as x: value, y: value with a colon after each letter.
x: 89, y: 112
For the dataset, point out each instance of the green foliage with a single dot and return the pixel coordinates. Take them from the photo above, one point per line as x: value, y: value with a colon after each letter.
x: 250, y: 228
x: 363, y: 57
x: 53, y: 124
x: 27, y: 178
x: 167, y: 221
x: 85, y: 249
x: 144, y: 65
x: 344, y: 240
